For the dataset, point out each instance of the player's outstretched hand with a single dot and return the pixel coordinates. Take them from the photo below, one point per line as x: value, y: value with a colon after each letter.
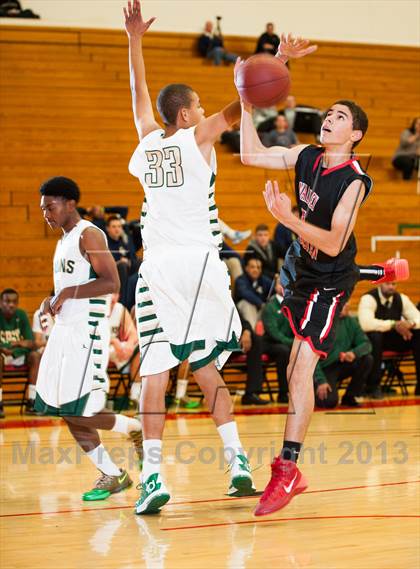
x: 134, y: 23
x: 294, y: 48
x: 279, y: 205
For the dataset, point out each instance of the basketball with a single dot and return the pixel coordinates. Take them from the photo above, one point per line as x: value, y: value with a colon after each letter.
x: 263, y: 80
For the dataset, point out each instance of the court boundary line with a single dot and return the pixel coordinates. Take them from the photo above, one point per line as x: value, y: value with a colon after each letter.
x: 271, y: 410
x: 206, y: 501
x: 295, y: 519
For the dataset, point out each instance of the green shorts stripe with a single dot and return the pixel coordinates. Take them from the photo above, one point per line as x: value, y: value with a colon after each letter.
x: 147, y: 318
x: 150, y: 332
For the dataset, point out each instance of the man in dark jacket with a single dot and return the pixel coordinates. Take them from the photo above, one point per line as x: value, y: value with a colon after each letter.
x: 268, y: 42
x: 264, y: 249
x: 252, y: 290
x: 350, y: 357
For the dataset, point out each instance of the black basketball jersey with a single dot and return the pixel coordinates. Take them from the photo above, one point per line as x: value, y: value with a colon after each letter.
x: 318, y: 191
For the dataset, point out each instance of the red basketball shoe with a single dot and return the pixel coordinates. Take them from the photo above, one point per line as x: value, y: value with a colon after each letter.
x: 286, y: 481
x: 395, y: 270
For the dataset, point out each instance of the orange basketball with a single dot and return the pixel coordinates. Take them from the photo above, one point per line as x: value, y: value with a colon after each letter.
x: 263, y: 80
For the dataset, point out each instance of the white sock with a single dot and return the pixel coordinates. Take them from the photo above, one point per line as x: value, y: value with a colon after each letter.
x: 152, y: 458
x: 1, y: 394
x: 230, y: 437
x: 125, y: 424
x: 181, y: 388
x: 135, y: 391
x: 31, y: 391
x: 101, y: 459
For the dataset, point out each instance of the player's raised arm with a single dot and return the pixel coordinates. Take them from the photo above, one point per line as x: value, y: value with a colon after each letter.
x: 331, y: 242
x: 136, y: 27
x: 253, y: 152
x: 210, y: 129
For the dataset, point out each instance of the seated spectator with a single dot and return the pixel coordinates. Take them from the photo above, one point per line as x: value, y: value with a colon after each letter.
x: 264, y: 119
x: 350, y: 357
x: 392, y: 322
x: 13, y: 9
x: 251, y: 291
x: 252, y: 346
x: 211, y: 45
x: 281, y: 135
x: 264, y: 249
x: 268, y: 42
x: 283, y: 237
x: 278, y: 339
x: 129, y: 299
x: 232, y: 139
x: 406, y: 157
x: 122, y: 250
x: 229, y: 255
x: 17, y: 346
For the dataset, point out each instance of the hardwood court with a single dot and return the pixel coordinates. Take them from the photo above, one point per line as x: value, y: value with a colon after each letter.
x: 360, y: 510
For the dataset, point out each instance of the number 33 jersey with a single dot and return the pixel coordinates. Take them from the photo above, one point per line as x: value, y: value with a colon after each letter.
x: 179, y: 208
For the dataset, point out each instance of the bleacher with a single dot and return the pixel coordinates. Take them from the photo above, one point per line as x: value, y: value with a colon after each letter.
x: 66, y: 109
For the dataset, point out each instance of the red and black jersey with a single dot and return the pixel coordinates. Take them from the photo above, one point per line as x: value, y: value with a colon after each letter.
x: 318, y: 191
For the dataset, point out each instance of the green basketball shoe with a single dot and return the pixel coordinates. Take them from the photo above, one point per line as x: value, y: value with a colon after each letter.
x: 107, y: 485
x: 241, y: 483
x: 153, y: 496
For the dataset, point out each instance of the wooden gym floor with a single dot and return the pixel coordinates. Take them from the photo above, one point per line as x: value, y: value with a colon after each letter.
x: 360, y: 510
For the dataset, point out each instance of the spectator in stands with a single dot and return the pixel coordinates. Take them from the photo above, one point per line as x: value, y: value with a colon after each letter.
x: 280, y: 135
x: 17, y: 346
x: 123, y: 338
x: 283, y: 237
x: 266, y: 250
x: 229, y: 255
x: 252, y: 290
x: 264, y: 119
x: 231, y: 138
x: 350, y: 357
x: 406, y: 157
x: 13, y: 9
x: 392, y: 322
x: 41, y: 327
x: 278, y: 339
x: 211, y: 45
x: 252, y: 346
x: 122, y: 250
x: 268, y: 42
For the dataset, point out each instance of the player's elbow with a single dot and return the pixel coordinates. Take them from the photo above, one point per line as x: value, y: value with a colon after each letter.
x: 248, y: 159
x: 115, y: 285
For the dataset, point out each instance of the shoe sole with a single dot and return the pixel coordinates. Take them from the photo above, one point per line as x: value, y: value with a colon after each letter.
x: 243, y: 485
x: 116, y: 491
x: 154, y: 505
x: 301, y: 487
